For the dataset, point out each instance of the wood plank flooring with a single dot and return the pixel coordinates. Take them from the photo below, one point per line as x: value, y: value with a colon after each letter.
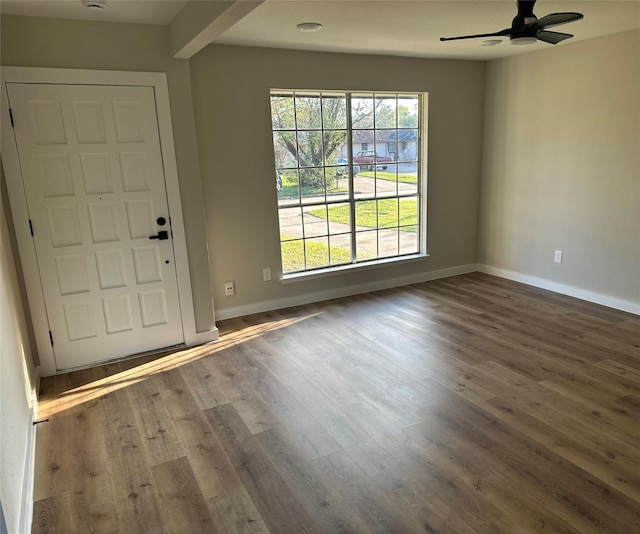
x: 465, y: 405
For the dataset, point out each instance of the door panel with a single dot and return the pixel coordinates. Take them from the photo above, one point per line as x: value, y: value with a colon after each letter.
x: 94, y: 182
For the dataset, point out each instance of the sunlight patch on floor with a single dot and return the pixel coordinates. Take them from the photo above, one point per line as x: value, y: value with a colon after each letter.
x: 51, y: 404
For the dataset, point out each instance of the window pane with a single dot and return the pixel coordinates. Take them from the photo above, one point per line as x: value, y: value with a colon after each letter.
x: 387, y: 243
x: 364, y: 185
x: 337, y: 183
x: 340, y: 218
x: 407, y: 145
x: 367, y: 214
x: 388, y: 213
x: 387, y: 181
x: 362, y: 112
x: 363, y: 149
x: 409, y: 211
x: 315, y: 222
x: 290, y: 223
x: 385, y: 112
x: 285, y: 149
x: 340, y: 170
x: 331, y: 176
x: 312, y: 185
x: 292, y: 255
x: 334, y: 112
x: 392, y: 146
x: 317, y: 252
x: 282, y: 114
x: 408, y: 178
x: 308, y: 112
x: 310, y: 149
x: 366, y: 245
x: 409, y: 240
x: 333, y: 141
x: 289, y: 186
x: 340, y: 249
x: 408, y: 112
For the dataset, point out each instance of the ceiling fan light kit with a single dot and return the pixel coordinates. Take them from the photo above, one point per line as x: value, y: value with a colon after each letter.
x: 526, y: 28
x: 523, y: 40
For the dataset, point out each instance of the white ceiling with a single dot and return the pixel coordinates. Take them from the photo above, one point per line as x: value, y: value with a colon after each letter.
x: 413, y: 28
x: 394, y: 27
x: 134, y: 11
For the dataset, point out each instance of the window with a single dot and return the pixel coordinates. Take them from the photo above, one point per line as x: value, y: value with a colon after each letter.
x: 339, y: 204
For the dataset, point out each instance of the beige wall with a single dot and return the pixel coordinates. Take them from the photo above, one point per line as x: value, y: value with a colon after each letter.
x: 231, y: 98
x: 562, y: 166
x: 58, y: 43
x: 17, y: 382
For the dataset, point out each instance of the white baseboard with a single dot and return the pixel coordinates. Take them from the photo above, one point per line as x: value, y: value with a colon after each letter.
x: 583, y: 294
x: 279, y: 304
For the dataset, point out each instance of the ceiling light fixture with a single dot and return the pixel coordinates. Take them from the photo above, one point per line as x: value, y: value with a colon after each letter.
x: 94, y: 4
x: 524, y: 40
x: 309, y: 26
x: 491, y: 42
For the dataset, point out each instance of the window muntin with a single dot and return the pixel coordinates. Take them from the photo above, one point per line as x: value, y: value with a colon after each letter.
x: 336, y: 207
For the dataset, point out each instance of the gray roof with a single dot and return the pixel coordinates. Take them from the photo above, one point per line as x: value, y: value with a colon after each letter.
x: 384, y: 136
x: 404, y: 135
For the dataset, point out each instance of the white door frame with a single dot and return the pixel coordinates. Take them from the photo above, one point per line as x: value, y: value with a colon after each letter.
x: 18, y: 201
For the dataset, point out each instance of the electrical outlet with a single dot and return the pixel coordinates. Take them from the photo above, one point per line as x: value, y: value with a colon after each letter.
x: 229, y: 289
x: 266, y: 274
x: 558, y: 256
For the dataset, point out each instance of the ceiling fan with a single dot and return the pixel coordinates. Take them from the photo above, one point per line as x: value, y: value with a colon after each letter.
x: 526, y: 28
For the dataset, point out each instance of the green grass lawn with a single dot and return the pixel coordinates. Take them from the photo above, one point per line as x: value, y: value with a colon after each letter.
x: 291, y: 188
x: 391, y: 177
x: 382, y: 215
x: 317, y: 254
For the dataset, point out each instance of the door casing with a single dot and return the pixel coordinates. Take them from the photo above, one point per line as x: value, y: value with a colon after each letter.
x: 18, y: 202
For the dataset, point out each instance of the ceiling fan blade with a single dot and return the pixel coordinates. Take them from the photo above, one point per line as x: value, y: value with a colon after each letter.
x: 554, y: 19
x: 552, y: 37
x: 501, y: 33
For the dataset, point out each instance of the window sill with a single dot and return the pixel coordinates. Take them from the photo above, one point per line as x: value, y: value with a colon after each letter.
x: 352, y: 267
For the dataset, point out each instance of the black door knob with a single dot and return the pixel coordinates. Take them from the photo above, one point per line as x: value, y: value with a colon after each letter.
x: 162, y: 235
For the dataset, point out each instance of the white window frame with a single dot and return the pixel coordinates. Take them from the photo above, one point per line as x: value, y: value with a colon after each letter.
x: 421, y: 193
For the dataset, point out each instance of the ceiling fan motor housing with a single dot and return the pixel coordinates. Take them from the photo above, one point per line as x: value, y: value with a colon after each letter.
x: 524, y: 17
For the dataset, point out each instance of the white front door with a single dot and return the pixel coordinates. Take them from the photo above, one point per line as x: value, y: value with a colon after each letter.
x: 94, y: 181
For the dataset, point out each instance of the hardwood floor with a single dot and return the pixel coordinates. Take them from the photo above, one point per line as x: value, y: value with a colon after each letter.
x: 465, y: 405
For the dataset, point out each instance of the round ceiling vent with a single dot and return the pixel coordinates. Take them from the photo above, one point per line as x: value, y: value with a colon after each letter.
x: 94, y: 4
x: 309, y: 26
